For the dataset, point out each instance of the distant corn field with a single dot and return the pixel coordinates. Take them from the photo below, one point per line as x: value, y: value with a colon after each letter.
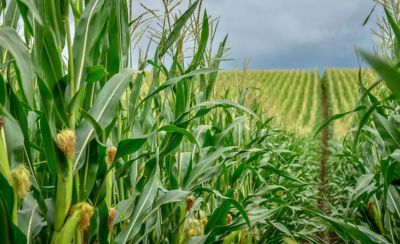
x: 293, y: 97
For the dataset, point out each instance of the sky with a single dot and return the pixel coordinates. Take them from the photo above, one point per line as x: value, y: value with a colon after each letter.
x: 292, y: 33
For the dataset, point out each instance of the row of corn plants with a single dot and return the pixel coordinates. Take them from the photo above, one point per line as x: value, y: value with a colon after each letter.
x: 297, y: 107
x: 299, y: 79
x: 289, y: 93
x: 365, y: 171
x: 95, y: 149
x: 313, y: 110
x: 297, y: 111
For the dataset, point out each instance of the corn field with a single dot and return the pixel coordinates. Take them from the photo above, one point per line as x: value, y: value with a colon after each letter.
x: 119, y: 127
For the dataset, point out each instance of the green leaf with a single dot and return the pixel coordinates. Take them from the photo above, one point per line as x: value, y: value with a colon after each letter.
x: 125, y: 208
x: 203, y: 166
x: 241, y: 210
x: 29, y: 219
x: 95, y: 73
x: 10, y: 40
x: 8, y: 231
x: 227, y: 200
x: 175, y: 80
x: 227, y: 130
x: 7, y: 195
x: 86, y: 34
x: 388, y: 73
x: 129, y: 146
x: 369, y: 16
x: 277, y: 171
x: 359, y: 233
x: 177, y: 28
x: 205, y: 32
x: 362, y: 122
x: 282, y: 228
x: 5, y: 222
x: 14, y: 137
x: 393, y: 24
x: 396, y: 155
x: 64, y: 8
x: 364, y: 185
x: 25, y: 6
x: 393, y: 200
x: 205, y: 107
x: 238, y: 172
x: 218, y: 217
x: 135, y: 94
x: 121, y: 171
x: 118, y: 37
x: 338, y: 116
x: 143, y: 205
x: 183, y: 131
x: 102, y: 110
x: 170, y: 197
x: 198, y: 239
x: 213, y: 76
x: 73, y: 106
x: 89, y: 172
x: 97, y: 128
x: 103, y: 215
x: 392, y: 174
x: 50, y: 149
x: 12, y: 15
x: 389, y: 132
x: 2, y: 91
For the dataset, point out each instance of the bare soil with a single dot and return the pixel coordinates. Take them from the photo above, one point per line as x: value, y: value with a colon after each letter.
x: 329, y: 237
x: 324, y: 188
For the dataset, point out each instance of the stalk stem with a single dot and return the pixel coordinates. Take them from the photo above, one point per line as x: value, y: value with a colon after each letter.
x: 67, y: 233
x: 63, y: 197
x: 121, y: 189
x: 15, y: 209
x: 109, y: 188
x: 71, y: 71
x: 4, y: 163
x: 56, y: 29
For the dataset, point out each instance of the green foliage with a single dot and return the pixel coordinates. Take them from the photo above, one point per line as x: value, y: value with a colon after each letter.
x: 137, y: 155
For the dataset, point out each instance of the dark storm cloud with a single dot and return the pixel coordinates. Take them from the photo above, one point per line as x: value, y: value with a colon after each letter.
x: 291, y: 33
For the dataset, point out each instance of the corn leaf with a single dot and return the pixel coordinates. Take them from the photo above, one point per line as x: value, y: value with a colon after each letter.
x: 10, y: 40
x: 102, y: 110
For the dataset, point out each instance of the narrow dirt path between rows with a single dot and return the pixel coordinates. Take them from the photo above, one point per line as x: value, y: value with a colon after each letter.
x: 324, y: 186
